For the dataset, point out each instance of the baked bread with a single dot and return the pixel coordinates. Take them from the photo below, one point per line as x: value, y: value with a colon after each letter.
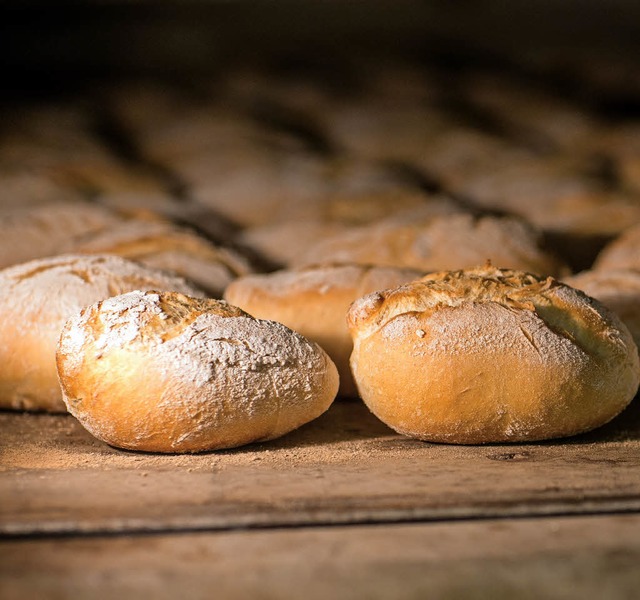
x: 617, y: 290
x: 561, y: 198
x: 37, y: 297
x: 314, y: 302
x: 448, y: 242
x: 254, y: 186
x: 161, y: 245
x: 164, y: 372
x: 285, y: 241
x: 489, y: 355
x: 621, y: 253
x: 48, y: 229
x: 30, y: 187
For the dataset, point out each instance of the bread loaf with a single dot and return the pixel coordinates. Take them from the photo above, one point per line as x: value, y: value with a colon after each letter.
x: 621, y: 253
x: 448, y: 242
x: 31, y: 232
x: 489, y: 355
x: 37, y: 297
x: 162, y: 245
x: 164, y: 372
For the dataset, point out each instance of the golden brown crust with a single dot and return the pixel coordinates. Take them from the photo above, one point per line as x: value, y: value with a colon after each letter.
x: 163, y: 372
x: 486, y: 355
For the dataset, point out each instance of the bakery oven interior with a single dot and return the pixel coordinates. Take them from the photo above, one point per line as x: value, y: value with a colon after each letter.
x: 269, y: 129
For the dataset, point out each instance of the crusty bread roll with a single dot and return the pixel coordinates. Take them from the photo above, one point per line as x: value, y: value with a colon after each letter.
x: 32, y: 232
x: 36, y: 298
x: 284, y: 242
x: 162, y: 245
x: 621, y: 253
x: 558, y: 196
x: 455, y: 241
x: 254, y: 186
x: 164, y: 372
x: 617, y: 290
x: 489, y: 355
x: 383, y: 129
x: 314, y: 302
x: 20, y: 188
x: 393, y: 206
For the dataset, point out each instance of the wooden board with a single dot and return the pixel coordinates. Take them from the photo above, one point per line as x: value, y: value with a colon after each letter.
x: 346, y: 467
x: 551, y: 558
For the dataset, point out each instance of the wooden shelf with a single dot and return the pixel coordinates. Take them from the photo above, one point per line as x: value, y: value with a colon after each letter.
x: 344, y: 483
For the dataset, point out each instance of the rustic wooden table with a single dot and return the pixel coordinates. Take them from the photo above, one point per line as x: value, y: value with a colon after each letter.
x: 342, y: 508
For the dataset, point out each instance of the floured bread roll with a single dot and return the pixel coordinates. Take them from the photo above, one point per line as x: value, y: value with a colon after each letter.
x: 254, y: 186
x: 284, y: 242
x: 489, y: 355
x: 617, y: 290
x: 449, y: 242
x: 37, y: 297
x: 621, y: 253
x: 577, y: 214
x: 314, y: 302
x: 48, y: 229
x: 161, y: 245
x: 29, y: 187
x: 164, y: 372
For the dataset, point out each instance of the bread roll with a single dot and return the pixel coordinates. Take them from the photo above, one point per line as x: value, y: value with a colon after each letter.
x: 489, y: 355
x: 253, y: 187
x: 621, y: 253
x: 164, y: 372
x: 36, y: 298
x: 314, y: 302
x: 448, y: 242
x: 284, y: 242
x: 22, y: 188
x: 384, y: 129
x: 161, y: 245
x: 48, y: 229
x: 617, y: 290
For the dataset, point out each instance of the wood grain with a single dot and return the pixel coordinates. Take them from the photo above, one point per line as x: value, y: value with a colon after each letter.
x: 346, y: 467
x: 551, y: 558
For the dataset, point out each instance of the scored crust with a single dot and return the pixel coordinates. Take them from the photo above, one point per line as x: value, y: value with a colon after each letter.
x: 490, y: 355
x: 164, y: 372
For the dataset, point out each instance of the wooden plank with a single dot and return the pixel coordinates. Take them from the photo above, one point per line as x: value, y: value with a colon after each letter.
x: 551, y: 558
x: 346, y: 467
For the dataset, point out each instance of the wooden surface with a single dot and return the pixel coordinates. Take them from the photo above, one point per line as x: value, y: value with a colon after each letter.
x: 554, y: 558
x: 343, y: 507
